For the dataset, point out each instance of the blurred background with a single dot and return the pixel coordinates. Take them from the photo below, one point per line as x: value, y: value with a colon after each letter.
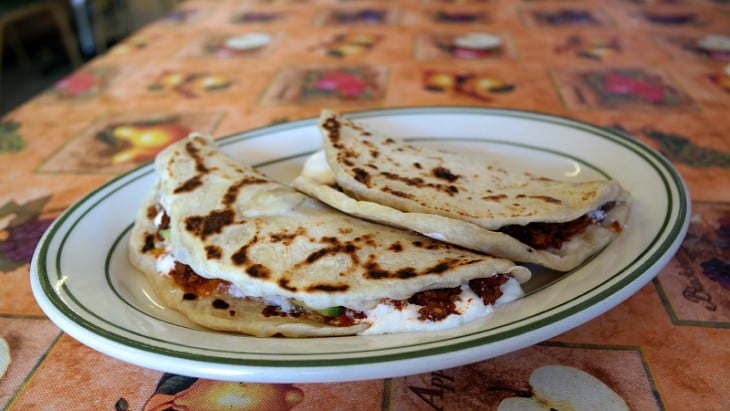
x: 42, y: 41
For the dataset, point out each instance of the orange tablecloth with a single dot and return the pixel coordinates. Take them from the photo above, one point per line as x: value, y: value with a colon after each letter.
x: 648, y: 67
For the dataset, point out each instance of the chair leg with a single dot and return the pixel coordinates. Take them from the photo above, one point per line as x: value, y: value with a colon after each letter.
x: 2, y: 28
x: 100, y: 37
x: 66, y: 34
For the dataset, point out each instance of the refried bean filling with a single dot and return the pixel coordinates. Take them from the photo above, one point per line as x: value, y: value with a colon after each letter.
x: 542, y: 236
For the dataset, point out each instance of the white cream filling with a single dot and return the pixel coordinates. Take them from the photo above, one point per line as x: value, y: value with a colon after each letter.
x: 597, y: 215
x: 317, y: 169
x: 165, y: 263
x: 158, y: 218
x: 387, y: 319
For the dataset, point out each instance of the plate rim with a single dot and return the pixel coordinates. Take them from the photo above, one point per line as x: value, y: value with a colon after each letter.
x: 668, y: 239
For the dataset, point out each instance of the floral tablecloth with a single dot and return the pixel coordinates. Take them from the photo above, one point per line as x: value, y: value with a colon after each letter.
x: 655, y: 69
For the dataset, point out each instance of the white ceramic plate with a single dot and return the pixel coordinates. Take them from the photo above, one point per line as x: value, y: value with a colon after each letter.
x: 82, y: 280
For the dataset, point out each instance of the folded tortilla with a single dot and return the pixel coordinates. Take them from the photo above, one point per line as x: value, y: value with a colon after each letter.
x: 237, y: 251
x: 483, y: 203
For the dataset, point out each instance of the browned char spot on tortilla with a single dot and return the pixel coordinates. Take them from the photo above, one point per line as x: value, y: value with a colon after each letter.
x: 334, y: 246
x: 397, y: 193
x: 328, y: 288
x: 287, y: 237
x: 213, y: 223
x: 373, y: 270
x: 361, y: 176
x: 396, y: 247
x: 428, y: 245
x: 194, y: 152
x: 258, y: 271
x: 444, y: 174
x: 213, y: 252
x: 284, y: 283
x: 332, y: 125
x: 547, y: 199
x: 240, y: 257
x: 151, y: 212
x: 232, y: 193
x: 189, y: 185
x: 419, y: 183
x: 496, y: 198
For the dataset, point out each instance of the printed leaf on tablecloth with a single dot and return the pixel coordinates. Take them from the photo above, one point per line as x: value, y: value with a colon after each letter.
x: 11, y: 141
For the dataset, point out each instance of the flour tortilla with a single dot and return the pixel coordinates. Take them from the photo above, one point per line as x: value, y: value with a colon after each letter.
x: 265, y: 240
x: 239, y: 315
x: 456, y: 198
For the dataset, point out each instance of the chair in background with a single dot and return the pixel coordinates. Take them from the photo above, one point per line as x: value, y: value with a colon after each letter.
x: 13, y: 11
x: 100, y: 21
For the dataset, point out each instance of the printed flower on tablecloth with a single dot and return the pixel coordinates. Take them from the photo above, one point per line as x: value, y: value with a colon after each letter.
x: 10, y: 140
x: 671, y: 18
x: 188, y: 84
x: 462, y: 2
x: 176, y: 392
x: 621, y: 85
x: 327, y: 84
x: 251, y: 17
x: 460, y: 17
x: 566, y: 17
x: 558, y: 387
x: 344, y: 45
x: 621, y: 88
x: 594, y: 48
x: 365, y: 16
x: 284, y: 1
x: 479, y: 86
x: 655, y: 2
x: 83, y: 83
x: 347, y: 83
x: 21, y: 226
